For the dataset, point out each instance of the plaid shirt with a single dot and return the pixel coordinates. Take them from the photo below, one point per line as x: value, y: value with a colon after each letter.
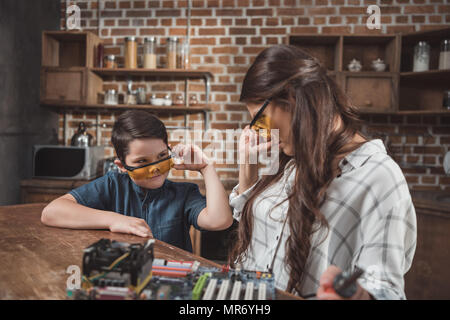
x: 372, y: 225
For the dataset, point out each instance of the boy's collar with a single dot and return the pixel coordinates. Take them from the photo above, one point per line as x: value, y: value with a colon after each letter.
x: 144, y: 192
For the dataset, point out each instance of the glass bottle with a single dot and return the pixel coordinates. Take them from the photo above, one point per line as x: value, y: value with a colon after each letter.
x: 149, y: 53
x: 171, y: 52
x: 444, y: 55
x: 130, y: 53
x: 421, y: 57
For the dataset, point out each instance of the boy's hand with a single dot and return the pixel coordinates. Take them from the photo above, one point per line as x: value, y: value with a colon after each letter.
x: 130, y: 225
x: 189, y: 157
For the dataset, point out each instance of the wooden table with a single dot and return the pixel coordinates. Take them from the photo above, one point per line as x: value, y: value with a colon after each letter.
x: 34, y: 257
x: 38, y: 190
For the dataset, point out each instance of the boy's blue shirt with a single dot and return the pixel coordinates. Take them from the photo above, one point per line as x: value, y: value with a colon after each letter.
x: 169, y: 210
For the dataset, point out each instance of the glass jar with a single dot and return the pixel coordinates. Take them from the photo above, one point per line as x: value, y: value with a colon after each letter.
x: 111, y: 97
x: 179, y: 101
x: 171, y: 52
x: 131, y: 96
x: 150, y: 53
x: 141, y: 95
x: 130, y: 53
x: 183, y: 57
x: 421, y: 57
x: 444, y: 55
x: 167, y: 100
x: 110, y: 61
x: 193, y: 100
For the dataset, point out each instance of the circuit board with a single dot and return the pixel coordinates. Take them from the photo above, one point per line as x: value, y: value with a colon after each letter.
x: 165, y: 280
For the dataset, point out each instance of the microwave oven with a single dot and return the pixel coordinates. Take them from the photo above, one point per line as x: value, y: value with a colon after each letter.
x: 67, y: 162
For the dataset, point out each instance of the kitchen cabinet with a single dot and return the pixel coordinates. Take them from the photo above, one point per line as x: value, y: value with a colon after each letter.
x: 369, y: 90
x: 397, y: 90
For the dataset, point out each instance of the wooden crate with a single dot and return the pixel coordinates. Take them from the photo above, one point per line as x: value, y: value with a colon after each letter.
x: 77, y: 85
x: 69, y: 49
x: 371, y: 91
x: 326, y: 48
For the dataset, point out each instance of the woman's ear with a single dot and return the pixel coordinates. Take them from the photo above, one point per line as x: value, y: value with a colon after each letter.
x: 119, y: 164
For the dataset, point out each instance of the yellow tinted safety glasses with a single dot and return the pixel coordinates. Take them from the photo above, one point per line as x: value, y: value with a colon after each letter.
x: 262, y: 123
x: 150, y: 170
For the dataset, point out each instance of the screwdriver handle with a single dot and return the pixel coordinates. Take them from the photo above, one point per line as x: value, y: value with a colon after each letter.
x: 344, y: 283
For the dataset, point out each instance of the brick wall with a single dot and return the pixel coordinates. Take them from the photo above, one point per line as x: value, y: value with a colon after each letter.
x: 226, y: 35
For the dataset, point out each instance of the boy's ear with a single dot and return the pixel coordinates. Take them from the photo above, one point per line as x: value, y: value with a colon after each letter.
x: 119, y: 164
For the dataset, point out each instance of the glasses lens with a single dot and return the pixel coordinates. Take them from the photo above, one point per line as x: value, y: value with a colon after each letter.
x: 153, y: 170
x: 262, y: 126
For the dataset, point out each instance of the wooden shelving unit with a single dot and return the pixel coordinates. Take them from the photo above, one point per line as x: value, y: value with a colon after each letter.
x: 108, y: 108
x: 397, y: 90
x: 167, y: 73
x: 423, y: 91
x: 427, y: 75
x: 70, y: 81
x: 369, y: 90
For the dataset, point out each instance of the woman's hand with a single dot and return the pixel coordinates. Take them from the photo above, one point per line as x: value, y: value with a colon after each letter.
x: 130, y: 225
x: 191, y: 157
x: 250, y: 144
x: 326, y: 292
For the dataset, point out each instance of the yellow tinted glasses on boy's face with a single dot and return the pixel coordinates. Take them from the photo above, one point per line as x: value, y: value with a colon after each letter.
x: 261, y: 123
x: 150, y: 170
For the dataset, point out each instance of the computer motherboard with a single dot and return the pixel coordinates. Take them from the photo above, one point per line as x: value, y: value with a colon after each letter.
x: 117, y: 270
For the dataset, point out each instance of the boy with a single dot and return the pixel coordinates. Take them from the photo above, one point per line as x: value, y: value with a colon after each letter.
x: 140, y: 200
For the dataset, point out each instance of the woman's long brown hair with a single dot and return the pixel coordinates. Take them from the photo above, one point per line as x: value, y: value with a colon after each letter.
x: 298, y: 83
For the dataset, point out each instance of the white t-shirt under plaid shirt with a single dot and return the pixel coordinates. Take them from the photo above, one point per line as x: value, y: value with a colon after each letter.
x: 371, y: 218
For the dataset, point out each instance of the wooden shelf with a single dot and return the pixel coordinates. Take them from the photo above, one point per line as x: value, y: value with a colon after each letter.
x: 427, y: 75
x: 394, y: 91
x: 168, y: 73
x: 371, y: 74
x: 120, y: 107
x: 406, y: 112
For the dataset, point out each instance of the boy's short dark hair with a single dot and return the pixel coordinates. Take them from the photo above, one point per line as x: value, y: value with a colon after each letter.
x: 135, y: 124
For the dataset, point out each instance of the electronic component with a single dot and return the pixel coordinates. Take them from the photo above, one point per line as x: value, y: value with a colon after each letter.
x: 236, y: 290
x: 117, y: 270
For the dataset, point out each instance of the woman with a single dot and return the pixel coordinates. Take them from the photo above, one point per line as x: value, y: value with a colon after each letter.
x: 337, y: 201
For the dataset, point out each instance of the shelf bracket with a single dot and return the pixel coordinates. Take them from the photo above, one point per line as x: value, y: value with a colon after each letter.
x: 65, y: 127
x: 206, y: 116
x: 97, y: 130
x: 207, y: 79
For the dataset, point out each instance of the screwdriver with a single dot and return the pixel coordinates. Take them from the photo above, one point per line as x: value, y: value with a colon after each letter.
x: 344, y: 284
